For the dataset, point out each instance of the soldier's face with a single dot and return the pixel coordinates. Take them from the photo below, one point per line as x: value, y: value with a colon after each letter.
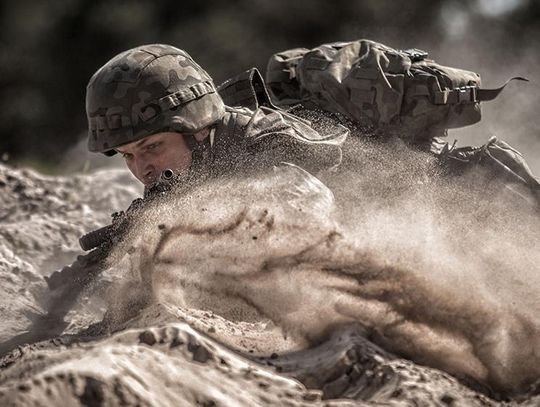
x: 147, y: 158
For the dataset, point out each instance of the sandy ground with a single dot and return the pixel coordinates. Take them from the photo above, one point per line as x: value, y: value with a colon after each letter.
x: 257, y: 293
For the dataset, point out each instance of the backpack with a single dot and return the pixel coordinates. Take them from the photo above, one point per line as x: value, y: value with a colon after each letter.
x: 397, y: 92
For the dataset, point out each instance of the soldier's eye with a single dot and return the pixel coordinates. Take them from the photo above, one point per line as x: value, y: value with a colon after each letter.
x: 153, y: 146
x: 127, y: 156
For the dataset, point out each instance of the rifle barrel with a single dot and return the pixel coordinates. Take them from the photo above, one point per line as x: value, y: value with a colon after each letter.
x: 95, y: 238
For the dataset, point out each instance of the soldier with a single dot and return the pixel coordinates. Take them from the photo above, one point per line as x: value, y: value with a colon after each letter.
x: 159, y: 109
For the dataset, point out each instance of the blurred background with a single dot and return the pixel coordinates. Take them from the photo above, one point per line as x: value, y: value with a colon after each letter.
x: 49, y: 50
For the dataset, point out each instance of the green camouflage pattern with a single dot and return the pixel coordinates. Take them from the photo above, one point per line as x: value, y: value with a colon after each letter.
x: 400, y: 92
x: 146, y: 90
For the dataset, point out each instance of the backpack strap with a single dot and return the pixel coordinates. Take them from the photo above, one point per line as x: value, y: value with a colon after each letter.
x: 470, y: 94
x: 490, y: 94
x: 246, y: 90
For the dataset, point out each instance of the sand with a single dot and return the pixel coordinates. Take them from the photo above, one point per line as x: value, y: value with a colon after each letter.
x: 256, y: 292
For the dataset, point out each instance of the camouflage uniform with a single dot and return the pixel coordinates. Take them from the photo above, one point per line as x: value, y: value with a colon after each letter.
x: 157, y: 88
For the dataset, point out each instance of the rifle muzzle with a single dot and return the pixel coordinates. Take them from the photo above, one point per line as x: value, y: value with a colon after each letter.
x: 167, y: 174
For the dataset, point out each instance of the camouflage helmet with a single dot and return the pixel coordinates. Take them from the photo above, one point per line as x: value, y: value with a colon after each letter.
x: 146, y: 90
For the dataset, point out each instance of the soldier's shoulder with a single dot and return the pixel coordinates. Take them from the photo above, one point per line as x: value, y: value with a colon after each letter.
x: 247, y: 89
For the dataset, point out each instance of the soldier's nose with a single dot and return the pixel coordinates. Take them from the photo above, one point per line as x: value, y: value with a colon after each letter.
x: 149, y: 175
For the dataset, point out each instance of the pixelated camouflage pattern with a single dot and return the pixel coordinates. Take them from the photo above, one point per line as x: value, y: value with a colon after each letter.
x: 401, y: 92
x: 146, y: 90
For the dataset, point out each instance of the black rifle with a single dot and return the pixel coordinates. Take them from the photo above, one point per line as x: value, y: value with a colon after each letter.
x: 67, y: 284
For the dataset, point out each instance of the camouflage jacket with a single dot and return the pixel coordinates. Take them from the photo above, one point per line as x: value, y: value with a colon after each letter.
x: 250, y: 140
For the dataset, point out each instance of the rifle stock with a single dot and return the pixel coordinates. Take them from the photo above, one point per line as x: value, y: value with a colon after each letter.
x: 102, y: 240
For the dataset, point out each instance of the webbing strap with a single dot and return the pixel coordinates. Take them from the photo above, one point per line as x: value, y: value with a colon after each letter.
x: 464, y: 94
x: 490, y: 94
x: 186, y: 95
x: 116, y: 121
x: 470, y: 94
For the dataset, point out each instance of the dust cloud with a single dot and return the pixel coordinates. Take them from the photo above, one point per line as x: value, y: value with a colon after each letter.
x: 441, y: 270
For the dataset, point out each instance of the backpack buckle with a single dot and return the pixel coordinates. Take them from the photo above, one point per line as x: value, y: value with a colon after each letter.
x: 416, y: 54
x: 464, y: 94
